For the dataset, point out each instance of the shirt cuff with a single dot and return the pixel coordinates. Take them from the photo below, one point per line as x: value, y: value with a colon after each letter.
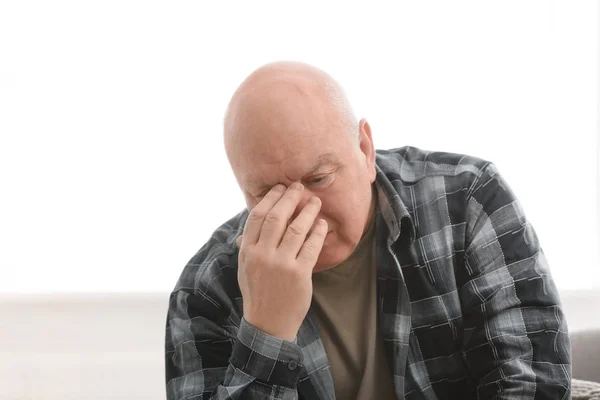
x: 269, y: 359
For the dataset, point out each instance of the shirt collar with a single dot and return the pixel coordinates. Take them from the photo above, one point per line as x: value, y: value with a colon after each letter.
x: 390, y: 205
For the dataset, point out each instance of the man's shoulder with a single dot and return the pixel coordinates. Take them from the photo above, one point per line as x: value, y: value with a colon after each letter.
x: 216, y: 261
x: 411, y: 164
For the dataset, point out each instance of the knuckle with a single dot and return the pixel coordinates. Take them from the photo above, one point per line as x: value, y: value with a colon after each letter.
x: 255, y: 257
x: 311, y: 246
x: 295, y: 230
x: 272, y: 218
x: 296, y: 272
x: 256, y: 215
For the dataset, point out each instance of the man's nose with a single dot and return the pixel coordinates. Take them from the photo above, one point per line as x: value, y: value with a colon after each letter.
x: 306, y: 196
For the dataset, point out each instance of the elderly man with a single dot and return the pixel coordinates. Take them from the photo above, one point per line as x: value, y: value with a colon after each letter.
x: 357, y: 273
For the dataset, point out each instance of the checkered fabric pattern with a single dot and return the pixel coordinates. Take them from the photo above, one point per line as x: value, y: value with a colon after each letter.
x: 466, y: 303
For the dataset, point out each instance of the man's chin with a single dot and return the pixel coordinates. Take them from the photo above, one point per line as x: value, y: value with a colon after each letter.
x: 327, y: 260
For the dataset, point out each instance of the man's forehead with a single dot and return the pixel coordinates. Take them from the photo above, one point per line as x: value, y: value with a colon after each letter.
x: 321, y: 161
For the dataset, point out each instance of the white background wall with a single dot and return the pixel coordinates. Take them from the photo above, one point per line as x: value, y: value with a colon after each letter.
x: 112, y: 169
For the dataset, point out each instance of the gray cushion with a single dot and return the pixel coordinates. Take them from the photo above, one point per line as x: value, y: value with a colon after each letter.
x: 583, y: 390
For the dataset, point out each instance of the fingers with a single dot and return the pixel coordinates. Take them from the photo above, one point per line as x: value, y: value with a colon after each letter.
x: 256, y: 217
x: 311, y: 249
x: 300, y: 227
x: 275, y: 221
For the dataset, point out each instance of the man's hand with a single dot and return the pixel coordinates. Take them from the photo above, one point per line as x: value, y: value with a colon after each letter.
x: 276, y: 261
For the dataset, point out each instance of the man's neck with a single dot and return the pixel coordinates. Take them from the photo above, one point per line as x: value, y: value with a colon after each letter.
x: 371, y: 214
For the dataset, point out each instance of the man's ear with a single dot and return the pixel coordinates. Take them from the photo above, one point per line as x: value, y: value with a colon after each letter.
x: 367, y: 147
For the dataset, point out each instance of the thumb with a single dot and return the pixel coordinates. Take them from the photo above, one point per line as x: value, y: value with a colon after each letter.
x: 239, y: 241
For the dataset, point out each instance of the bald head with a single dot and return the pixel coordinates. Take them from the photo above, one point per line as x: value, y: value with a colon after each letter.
x: 285, y: 98
x: 291, y: 122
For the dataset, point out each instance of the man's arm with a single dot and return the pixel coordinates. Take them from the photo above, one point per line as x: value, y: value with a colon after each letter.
x: 515, y: 342
x: 203, y: 361
x: 274, y: 273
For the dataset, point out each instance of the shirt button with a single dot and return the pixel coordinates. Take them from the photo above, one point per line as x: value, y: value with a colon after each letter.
x: 292, y: 365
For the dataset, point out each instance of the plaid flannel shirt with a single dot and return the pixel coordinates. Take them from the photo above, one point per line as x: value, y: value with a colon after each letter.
x: 466, y: 303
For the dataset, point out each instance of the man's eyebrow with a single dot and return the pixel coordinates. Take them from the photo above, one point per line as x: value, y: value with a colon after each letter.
x: 323, y: 160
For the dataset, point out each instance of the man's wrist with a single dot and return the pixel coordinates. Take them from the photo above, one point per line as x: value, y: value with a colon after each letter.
x: 283, y: 334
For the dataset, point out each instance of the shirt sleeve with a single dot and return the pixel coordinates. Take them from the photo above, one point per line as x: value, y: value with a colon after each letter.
x: 203, y: 361
x: 515, y: 342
